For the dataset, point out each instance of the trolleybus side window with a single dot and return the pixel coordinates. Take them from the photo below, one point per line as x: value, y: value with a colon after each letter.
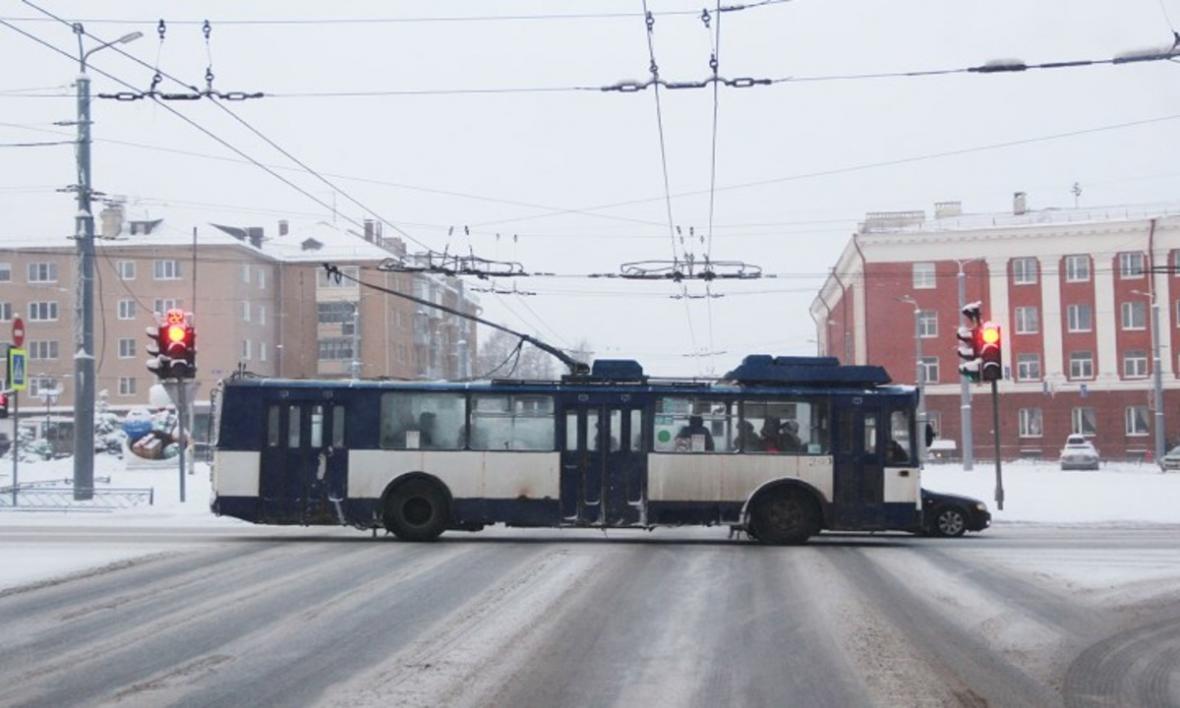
x: 695, y: 425
x: 272, y: 426
x: 870, y: 441
x: 423, y: 421
x: 592, y: 430
x: 900, y: 444
x: 293, y: 431
x: 338, y: 426
x: 571, y: 430
x: 787, y: 427
x: 512, y: 422
x: 317, y: 427
x: 636, y: 430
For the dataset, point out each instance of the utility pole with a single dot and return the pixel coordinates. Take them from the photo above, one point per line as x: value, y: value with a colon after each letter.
x: 355, y: 366
x: 84, y: 299
x: 1158, y: 384
x: 967, y: 435
x: 919, y: 377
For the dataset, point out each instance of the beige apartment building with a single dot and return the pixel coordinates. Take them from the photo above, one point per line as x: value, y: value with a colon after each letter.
x: 260, y: 302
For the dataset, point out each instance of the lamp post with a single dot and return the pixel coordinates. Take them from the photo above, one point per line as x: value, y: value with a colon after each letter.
x: 919, y: 376
x: 84, y: 300
x: 1156, y: 375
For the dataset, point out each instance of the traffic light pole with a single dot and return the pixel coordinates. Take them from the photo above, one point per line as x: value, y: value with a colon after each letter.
x: 967, y: 434
x: 84, y: 322
x: 181, y: 440
x: 996, y: 435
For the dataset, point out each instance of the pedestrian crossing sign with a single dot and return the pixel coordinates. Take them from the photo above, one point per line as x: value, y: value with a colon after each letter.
x: 18, y: 369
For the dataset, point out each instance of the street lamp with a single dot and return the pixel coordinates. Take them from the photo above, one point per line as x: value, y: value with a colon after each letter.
x: 1156, y: 375
x: 84, y: 301
x: 919, y: 375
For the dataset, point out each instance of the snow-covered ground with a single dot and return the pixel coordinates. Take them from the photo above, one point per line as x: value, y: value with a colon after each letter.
x: 1129, y: 495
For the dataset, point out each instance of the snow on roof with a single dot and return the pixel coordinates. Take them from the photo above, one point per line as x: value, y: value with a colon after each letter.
x: 323, y: 241
x: 915, y: 222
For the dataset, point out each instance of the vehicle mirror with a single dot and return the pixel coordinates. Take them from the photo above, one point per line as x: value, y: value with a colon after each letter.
x: 930, y: 435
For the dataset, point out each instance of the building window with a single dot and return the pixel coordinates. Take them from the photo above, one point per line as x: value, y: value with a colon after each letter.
x: 927, y: 323
x: 934, y: 420
x: 334, y: 312
x: 126, y: 386
x: 5, y: 311
x: 1081, y: 365
x: 1031, y: 425
x: 1136, y: 420
x: 1131, y: 265
x: 323, y: 280
x: 1028, y: 367
x: 1080, y: 318
x: 1135, y: 365
x: 1134, y: 314
x: 261, y: 278
x: 39, y: 385
x: 335, y: 348
x: 1083, y: 421
x: 126, y: 309
x: 246, y: 349
x: 923, y: 276
x: 43, y: 311
x: 125, y: 269
x: 246, y: 274
x: 1027, y: 321
x: 1024, y: 271
x: 5, y: 272
x: 42, y: 272
x: 126, y: 348
x: 245, y: 310
x: 166, y: 270
x: 45, y: 349
x: 262, y: 314
x: 262, y: 351
x: 1077, y: 269
x: 929, y: 369
x: 162, y: 305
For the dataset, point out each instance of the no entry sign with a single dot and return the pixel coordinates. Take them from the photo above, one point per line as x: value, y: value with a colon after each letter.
x: 18, y: 332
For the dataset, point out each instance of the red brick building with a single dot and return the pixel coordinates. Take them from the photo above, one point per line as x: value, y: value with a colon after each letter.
x: 1072, y: 290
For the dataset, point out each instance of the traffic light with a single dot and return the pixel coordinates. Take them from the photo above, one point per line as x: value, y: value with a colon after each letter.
x: 969, y: 351
x: 173, y: 347
x: 991, y: 355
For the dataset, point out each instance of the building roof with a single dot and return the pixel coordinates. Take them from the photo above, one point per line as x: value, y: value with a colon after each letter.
x: 322, y: 241
x: 916, y: 221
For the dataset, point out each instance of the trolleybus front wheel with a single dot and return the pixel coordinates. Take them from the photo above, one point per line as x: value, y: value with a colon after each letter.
x: 416, y: 510
x: 784, y: 516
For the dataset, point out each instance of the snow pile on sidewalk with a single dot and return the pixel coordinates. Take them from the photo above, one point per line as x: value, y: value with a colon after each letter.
x: 1042, y: 492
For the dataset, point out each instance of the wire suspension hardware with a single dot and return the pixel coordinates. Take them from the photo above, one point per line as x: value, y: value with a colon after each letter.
x: 195, y: 94
x: 576, y: 367
x: 453, y: 264
x: 689, y: 269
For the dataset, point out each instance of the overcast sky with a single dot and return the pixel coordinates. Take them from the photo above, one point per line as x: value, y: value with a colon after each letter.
x: 581, y: 150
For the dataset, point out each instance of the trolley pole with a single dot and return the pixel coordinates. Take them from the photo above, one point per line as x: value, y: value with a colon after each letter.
x: 996, y: 435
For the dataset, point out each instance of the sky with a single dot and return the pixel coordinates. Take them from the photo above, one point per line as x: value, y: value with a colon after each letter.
x: 573, y: 181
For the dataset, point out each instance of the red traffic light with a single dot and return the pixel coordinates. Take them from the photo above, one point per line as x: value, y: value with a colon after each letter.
x: 175, y: 333
x: 991, y: 334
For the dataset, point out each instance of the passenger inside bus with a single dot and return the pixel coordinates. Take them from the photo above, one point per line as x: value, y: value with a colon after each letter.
x: 747, y: 440
x: 696, y: 426
x: 770, y: 435
x: 789, y: 437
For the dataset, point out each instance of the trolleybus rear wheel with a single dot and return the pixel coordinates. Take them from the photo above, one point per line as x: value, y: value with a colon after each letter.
x: 416, y: 510
x: 784, y: 516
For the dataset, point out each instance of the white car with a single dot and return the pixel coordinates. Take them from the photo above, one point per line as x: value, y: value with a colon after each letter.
x: 1171, y: 460
x: 1079, y: 454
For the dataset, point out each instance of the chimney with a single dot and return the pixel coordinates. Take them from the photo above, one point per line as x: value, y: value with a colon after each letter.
x: 284, y: 227
x: 112, y: 220
x: 1019, y: 203
x: 254, y: 234
x: 370, y: 228
x: 945, y: 210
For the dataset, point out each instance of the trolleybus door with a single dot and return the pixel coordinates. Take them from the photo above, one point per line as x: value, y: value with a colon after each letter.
x: 303, y: 466
x: 859, y: 476
x: 602, y: 465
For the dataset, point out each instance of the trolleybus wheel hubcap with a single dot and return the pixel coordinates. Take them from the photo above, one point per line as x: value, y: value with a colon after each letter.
x: 417, y: 511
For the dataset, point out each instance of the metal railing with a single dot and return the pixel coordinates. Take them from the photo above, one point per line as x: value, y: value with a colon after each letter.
x: 58, y: 495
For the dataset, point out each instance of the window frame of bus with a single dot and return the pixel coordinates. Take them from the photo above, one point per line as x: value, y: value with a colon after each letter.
x: 513, y: 415
x: 384, y: 410
x: 911, y: 432
x: 823, y: 405
x: 731, y: 413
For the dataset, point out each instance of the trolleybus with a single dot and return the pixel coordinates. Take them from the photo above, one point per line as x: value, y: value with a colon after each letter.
x: 781, y: 448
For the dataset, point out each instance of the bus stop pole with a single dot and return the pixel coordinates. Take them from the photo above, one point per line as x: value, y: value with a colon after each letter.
x: 996, y: 436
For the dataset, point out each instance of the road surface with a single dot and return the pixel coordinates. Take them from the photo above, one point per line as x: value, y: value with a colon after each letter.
x: 1020, y: 615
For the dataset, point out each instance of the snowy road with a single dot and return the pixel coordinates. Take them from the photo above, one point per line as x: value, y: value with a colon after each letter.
x: 1021, y: 615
